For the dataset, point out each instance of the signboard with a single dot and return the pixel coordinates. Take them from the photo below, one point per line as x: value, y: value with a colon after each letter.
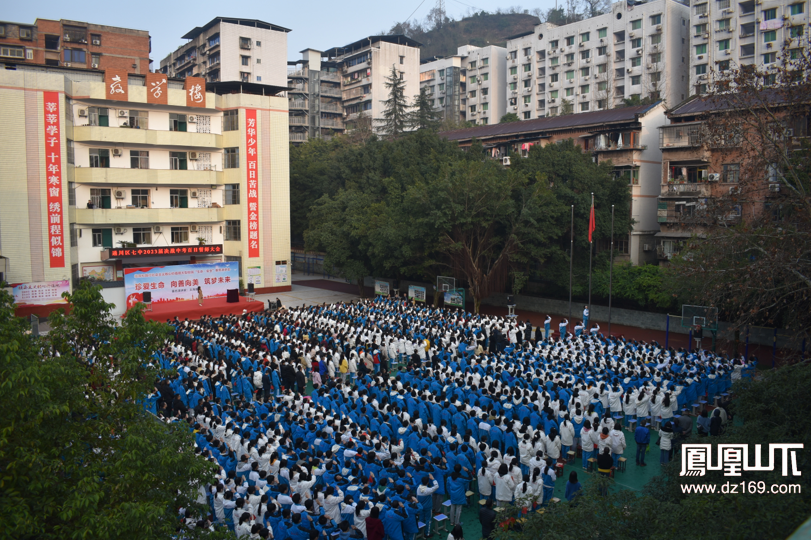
x: 382, y: 288
x: 416, y: 293
x: 281, y: 272
x: 455, y: 298
x: 173, y: 283
x: 123, y: 253
x: 99, y: 272
x: 53, y: 172
x: 251, y: 161
x: 195, y: 92
x: 116, y: 84
x: 40, y: 292
x: 255, y: 275
x: 157, y: 88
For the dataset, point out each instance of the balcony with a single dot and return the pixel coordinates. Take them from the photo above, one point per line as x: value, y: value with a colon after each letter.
x: 143, y: 137
x: 95, y: 175
x: 330, y: 91
x: 298, y: 121
x: 297, y: 73
x: 298, y: 104
x: 332, y: 123
x: 147, y: 216
x: 298, y: 137
x: 687, y: 190
x: 680, y: 136
x: 331, y: 76
x: 331, y: 107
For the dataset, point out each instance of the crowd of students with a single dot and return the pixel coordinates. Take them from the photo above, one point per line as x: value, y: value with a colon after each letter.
x: 480, y: 403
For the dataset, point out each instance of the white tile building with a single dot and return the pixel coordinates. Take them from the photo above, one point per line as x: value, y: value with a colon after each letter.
x: 486, y: 83
x: 447, y: 85
x: 594, y: 64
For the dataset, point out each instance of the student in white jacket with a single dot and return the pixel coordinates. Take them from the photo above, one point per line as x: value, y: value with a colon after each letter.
x: 505, y: 486
x: 524, y: 494
x: 566, y: 436
x: 618, y: 444
x: 484, y: 479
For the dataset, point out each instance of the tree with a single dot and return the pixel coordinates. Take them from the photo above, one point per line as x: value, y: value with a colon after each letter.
x: 593, y: 8
x: 509, y: 117
x: 642, y: 285
x: 636, y: 100
x: 566, y: 107
x: 423, y: 115
x: 395, y: 112
x: 753, y: 263
x: 79, y: 455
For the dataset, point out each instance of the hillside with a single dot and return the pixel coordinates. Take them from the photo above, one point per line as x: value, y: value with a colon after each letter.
x: 480, y: 30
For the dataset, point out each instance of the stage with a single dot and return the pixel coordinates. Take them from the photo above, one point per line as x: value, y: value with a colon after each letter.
x: 190, y: 309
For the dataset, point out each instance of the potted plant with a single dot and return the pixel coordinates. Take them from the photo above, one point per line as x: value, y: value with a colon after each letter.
x: 201, y: 241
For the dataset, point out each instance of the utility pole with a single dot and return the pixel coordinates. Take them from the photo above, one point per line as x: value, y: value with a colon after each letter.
x: 440, y: 7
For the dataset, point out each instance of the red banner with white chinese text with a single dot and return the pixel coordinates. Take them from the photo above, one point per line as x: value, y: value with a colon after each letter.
x: 251, y: 151
x: 53, y: 168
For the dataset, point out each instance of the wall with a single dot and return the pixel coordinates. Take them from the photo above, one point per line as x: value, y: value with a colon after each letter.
x: 117, y: 296
x: 273, y: 54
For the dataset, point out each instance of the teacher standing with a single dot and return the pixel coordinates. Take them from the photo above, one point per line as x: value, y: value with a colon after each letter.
x: 200, y: 295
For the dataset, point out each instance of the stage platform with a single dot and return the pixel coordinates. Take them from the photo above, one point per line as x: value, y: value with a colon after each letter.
x: 190, y: 309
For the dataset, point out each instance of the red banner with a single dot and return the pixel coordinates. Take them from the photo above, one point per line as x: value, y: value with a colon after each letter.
x: 253, y: 182
x: 119, y: 253
x: 53, y: 168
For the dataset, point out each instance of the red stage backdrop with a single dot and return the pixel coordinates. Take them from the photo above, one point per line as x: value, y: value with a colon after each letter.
x: 180, y: 282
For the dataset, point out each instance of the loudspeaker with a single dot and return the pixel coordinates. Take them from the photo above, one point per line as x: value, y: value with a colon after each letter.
x: 147, y: 297
x: 510, y: 300
x: 250, y: 288
x: 232, y: 296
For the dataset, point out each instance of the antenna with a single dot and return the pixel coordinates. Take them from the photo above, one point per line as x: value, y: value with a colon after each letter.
x: 440, y: 6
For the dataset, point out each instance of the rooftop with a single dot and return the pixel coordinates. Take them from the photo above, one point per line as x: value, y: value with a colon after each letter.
x: 255, y: 23
x: 361, y: 44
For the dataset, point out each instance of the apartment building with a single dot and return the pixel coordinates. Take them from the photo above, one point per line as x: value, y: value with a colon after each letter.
x: 364, y: 66
x: 314, y: 92
x: 108, y: 171
x: 75, y: 44
x: 633, y: 50
x: 228, y: 49
x: 726, y: 33
x: 486, y: 69
x: 628, y: 137
x: 447, y: 85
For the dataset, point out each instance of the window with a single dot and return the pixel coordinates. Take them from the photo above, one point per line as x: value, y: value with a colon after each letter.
x: 584, y: 106
x: 95, y: 59
x: 701, y: 49
x: 75, y: 55
x: 569, y: 92
x: 258, y: 43
x: 602, y: 32
x: 553, y: 78
x: 485, y: 76
x: 570, y: 58
x: 244, y: 76
x: 514, y: 70
x: 656, y: 39
x: 527, y: 51
x: 230, y: 120
x: 570, y: 40
x: 140, y: 197
x: 180, y: 235
x: 723, y: 24
x: 12, y: 52
x: 527, y: 115
x: 139, y: 159
x: 796, y: 9
x: 233, y: 230
x: 656, y: 19
x: 179, y: 198
x: 177, y: 122
x: 701, y: 89
x: 602, y: 86
x: 656, y: 58
x: 485, y: 62
x: 513, y: 86
x: 484, y: 121
x: 636, y: 25
x: 769, y: 36
x: 100, y: 158
x: 602, y: 68
x: 585, y: 55
x: 619, y: 56
x: 636, y: 43
x: 139, y: 120
x: 231, y: 193
x: 26, y: 33
x: 656, y: 77
x: 52, y: 43
x: 527, y: 99
x: 584, y: 89
x: 601, y: 50
x: 527, y: 83
x: 601, y: 103
x: 794, y: 54
x: 177, y: 161
x: 701, y: 9
x: 98, y: 116
x: 102, y: 238
x: 701, y: 69
x: 747, y: 50
x: 71, y: 152
x: 527, y: 68
x: 72, y: 193
x: 636, y: 80
x: 245, y: 60
x: 472, y: 108
x: 553, y: 94
x: 584, y: 37
x: 723, y: 45
x: 472, y: 93
x: 485, y: 107
x: 585, y: 72
x: 619, y: 73
x: 701, y: 28
x: 770, y: 58
x: 553, y: 44
x: 142, y: 235
x: 636, y: 61
x: 747, y: 7
x: 100, y: 197
x: 731, y: 173
x: 796, y: 31
x: 472, y: 64
x: 723, y: 65
x: 214, y: 40
x: 769, y: 14
x: 245, y: 43
x: 570, y: 75
x: 402, y: 59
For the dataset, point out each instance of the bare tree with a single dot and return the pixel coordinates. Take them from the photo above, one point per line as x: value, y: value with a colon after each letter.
x: 605, y: 87
x: 592, y: 8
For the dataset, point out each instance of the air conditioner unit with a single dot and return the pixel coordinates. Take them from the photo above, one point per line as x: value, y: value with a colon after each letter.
x: 505, y: 160
x: 116, y: 152
x: 650, y: 66
x: 734, y: 189
x: 67, y: 64
x: 631, y: 34
x: 156, y: 228
x: 647, y: 247
x: 790, y: 132
x: 588, y: 60
x: 528, y: 57
x: 120, y: 194
x: 714, y: 177
x: 658, y: 27
x: 728, y: 52
x: 120, y: 230
x: 769, y: 45
x: 83, y: 112
x: 700, y: 57
x: 551, y: 85
x: 628, y: 70
x: 513, y: 60
x: 655, y: 47
x: 194, y: 155
x: 602, y: 40
x: 774, y: 188
x: 758, y: 20
x: 67, y: 37
x: 552, y: 100
x: 786, y: 17
x: 96, y: 42
x: 702, y: 16
x: 515, y: 77
x: 191, y: 119
x: 515, y: 107
x: 123, y: 114
x: 702, y: 77
x: 94, y: 66
x: 193, y: 228
x: 562, y: 49
x: 731, y: 29
x: 582, y: 44
x: 639, y: 52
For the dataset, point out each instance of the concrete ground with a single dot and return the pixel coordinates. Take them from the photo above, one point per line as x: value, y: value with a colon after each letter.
x: 308, y: 296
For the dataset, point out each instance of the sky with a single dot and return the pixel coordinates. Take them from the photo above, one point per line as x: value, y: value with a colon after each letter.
x: 316, y: 24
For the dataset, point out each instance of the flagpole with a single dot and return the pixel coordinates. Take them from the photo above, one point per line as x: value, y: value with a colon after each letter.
x: 571, y: 258
x: 610, y: 271
x: 591, y: 250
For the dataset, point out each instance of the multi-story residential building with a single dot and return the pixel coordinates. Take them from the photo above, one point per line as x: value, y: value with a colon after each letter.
x: 627, y: 136
x: 314, y: 92
x: 174, y: 171
x: 725, y: 34
x: 486, y: 83
x: 447, y: 85
x: 634, y: 50
x: 75, y: 44
x: 227, y: 49
x: 364, y: 66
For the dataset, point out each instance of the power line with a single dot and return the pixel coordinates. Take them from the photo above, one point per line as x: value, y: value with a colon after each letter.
x: 468, y: 5
x: 413, y: 12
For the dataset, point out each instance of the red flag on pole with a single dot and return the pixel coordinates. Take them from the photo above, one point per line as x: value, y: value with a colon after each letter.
x: 592, y: 225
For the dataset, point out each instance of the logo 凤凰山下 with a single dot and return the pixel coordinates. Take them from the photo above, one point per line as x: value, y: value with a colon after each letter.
x: 697, y: 459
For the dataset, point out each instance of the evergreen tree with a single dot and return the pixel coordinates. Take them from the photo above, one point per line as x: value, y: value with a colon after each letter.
x: 423, y: 115
x: 395, y: 113
x: 509, y: 117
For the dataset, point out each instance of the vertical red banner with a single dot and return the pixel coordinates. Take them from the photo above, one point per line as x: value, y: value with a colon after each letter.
x: 251, y: 149
x: 53, y: 173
